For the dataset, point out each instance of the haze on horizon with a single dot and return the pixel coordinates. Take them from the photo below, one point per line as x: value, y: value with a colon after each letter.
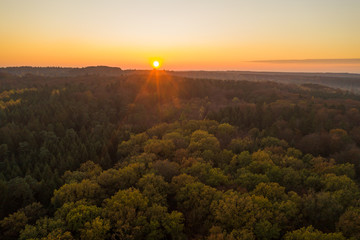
x: 187, y: 35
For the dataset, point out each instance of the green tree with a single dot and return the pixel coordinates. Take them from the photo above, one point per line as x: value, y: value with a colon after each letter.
x: 42, y: 228
x: 272, y: 191
x: 80, y: 215
x: 19, y: 193
x: 225, y: 132
x: 238, y: 161
x: 207, y: 174
x: 344, y: 189
x: 112, y: 179
x: 155, y: 188
x: 132, y: 217
x: 167, y: 169
x: 254, y: 213
x: 97, y: 229
x: 11, y: 225
x: 162, y: 148
x: 248, y: 180
x: 194, y: 201
x: 201, y: 140
x: 73, y: 192
x: 261, y: 162
x: 178, y: 139
x: 133, y: 146
x: 309, y: 233
x: 349, y: 223
x: 238, y: 145
x: 322, y: 210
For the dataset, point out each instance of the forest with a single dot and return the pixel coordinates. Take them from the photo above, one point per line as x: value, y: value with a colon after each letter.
x: 152, y: 155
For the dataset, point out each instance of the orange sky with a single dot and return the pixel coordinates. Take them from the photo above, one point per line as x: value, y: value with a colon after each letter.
x: 185, y: 35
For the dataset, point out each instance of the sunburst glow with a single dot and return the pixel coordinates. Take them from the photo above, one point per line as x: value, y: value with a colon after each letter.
x: 156, y: 64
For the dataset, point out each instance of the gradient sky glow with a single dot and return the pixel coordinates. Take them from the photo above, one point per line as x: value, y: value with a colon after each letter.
x: 184, y: 34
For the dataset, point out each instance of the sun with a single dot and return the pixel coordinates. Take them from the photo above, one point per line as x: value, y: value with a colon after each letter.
x: 156, y: 64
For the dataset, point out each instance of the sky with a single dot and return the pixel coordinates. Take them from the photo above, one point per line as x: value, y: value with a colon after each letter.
x: 260, y: 35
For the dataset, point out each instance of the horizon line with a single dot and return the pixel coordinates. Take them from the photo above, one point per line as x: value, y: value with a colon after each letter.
x: 198, y: 70
x: 311, y: 60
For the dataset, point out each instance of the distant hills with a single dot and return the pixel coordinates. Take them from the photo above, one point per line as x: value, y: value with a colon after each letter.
x: 62, y: 71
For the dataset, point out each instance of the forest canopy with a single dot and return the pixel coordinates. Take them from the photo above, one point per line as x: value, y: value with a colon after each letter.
x: 142, y: 156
